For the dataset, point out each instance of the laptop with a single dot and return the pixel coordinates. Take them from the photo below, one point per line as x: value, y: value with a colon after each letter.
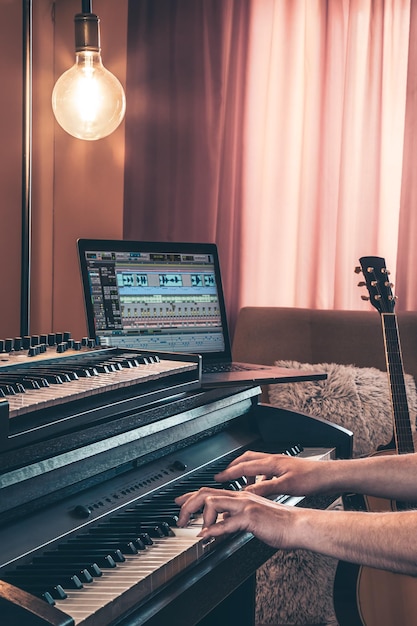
x: 168, y: 297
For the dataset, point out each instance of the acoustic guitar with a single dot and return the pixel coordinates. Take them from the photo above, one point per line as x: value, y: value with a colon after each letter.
x: 364, y: 596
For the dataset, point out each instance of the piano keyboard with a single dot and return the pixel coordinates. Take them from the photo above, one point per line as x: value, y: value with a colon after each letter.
x: 136, y: 578
x: 47, y: 379
x: 126, y: 557
x: 81, y: 380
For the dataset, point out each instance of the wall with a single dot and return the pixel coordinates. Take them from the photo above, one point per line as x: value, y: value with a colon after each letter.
x: 77, y: 186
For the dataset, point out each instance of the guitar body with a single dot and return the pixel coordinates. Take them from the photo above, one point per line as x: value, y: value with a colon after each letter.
x: 386, y: 599
x: 365, y: 596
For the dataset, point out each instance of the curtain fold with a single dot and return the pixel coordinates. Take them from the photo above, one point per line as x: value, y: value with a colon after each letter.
x: 407, y: 249
x: 186, y: 90
x: 276, y: 129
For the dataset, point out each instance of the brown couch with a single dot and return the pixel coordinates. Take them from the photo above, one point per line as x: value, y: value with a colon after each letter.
x: 266, y: 334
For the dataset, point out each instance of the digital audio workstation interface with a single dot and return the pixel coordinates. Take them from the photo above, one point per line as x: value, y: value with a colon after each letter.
x: 155, y: 301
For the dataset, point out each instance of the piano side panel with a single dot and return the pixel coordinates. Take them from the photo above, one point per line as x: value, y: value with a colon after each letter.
x: 18, y: 608
x: 285, y: 426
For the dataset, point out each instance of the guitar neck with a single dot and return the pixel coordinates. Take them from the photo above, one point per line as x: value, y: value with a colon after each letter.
x: 402, y: 427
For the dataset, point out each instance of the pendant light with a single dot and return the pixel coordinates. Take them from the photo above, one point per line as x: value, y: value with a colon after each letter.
x: 88, y: 101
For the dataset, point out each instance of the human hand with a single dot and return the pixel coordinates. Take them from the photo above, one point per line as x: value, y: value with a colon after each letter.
x: 226, y: 512
x: 278, y: 474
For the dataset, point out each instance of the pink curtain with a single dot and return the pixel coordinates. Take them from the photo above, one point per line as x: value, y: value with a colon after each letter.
x: 324, y: 136
x: 276, y: 129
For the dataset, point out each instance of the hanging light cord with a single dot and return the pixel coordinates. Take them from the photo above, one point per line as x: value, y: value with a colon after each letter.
x: 86, y: 6
x: 26, y: 170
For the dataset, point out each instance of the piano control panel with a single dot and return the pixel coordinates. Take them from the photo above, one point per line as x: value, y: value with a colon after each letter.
x: 33, y: 345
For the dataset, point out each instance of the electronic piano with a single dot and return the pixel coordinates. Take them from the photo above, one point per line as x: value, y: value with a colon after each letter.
x: 95, y: 444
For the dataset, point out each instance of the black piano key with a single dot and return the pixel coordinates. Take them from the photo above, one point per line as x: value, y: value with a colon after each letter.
x: 7, y: 389
x: 29, y: 580
x: 83, y: 575
x: 151, y: 526
x: 57, y: 570
x: 125, y: 538
x: 135, y: 520
x: 92, y: 553
x: 16, y: 384
x: 125, y: 546
x: 146, y: 538
x: 103, y: 560
x: 47, y: 376
x: 22, y: 382
x: 48, y: 598
x: 65, y: 564
x: 113, y: 545
x: 159, y: 517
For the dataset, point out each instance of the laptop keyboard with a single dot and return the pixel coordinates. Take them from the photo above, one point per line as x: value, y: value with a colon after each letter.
x: 215, y: 368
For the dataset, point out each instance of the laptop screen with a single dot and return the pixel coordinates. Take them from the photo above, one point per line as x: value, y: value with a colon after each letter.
x: 154, y: 296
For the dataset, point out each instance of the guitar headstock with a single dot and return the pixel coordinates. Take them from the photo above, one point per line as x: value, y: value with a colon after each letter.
x: 377, y: 282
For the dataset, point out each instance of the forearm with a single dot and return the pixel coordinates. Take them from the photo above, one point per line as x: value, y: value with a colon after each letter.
x: 386, y: 476
x: 381, y: 540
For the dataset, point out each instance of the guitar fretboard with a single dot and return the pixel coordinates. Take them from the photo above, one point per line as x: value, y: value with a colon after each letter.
x: 402, y: 427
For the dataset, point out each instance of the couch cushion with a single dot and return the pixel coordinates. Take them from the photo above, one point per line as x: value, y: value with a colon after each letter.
x: 353, y: 397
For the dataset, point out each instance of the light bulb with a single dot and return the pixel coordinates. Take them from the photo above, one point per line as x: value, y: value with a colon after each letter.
x: 88, y: 101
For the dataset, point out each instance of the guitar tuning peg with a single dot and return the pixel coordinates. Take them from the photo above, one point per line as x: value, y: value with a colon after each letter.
x: 361, y: 283
x: 358, y: 269
x: 388, y: 284
x: 385, y: 271
x: 365, y: 298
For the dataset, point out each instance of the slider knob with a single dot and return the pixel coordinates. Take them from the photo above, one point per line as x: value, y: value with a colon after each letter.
x: 18, y: 343
x: 34, y: 340
x: 8, y: 344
